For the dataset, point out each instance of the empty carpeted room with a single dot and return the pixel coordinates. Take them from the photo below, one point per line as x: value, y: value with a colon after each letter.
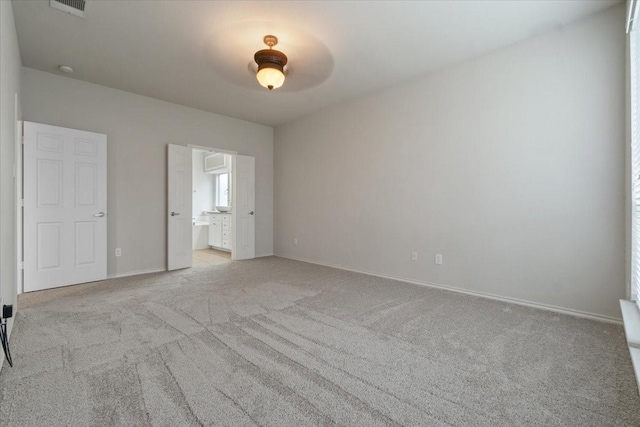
x: 292, y: 213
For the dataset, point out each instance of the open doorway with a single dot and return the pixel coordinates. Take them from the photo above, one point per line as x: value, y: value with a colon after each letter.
x: 212, y: 207
x: 230, y: 201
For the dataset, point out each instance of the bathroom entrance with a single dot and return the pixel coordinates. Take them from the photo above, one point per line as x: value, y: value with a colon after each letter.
x: 210, y: 206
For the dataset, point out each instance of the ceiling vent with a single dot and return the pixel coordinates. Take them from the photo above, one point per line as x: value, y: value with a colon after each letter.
x: 73, y: 7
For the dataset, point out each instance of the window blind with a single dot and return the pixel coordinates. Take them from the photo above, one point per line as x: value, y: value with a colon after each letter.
x: 634, y: 39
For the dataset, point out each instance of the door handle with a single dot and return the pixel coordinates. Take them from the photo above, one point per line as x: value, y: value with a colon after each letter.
x: 175, y: 213
x: 251, y: 213
x: 99, y: 215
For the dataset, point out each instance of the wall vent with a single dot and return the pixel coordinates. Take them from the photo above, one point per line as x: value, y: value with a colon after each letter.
x: 73, y: 7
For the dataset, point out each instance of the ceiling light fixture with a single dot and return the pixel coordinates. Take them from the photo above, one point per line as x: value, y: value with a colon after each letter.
x: 271, y: 64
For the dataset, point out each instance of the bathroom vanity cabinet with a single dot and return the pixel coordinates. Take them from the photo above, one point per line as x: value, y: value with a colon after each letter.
x: 220, y: 231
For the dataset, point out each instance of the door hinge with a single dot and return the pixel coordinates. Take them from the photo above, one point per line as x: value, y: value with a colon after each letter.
x: 21, y: 265
x: 21, y: 203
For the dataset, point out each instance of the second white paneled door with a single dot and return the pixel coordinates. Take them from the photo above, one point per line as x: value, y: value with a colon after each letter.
x: 179, y: 204
x: 244, y: 206
x: 65, y: 206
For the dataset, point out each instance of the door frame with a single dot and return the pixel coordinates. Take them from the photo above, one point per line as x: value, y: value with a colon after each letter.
x: 233, y: 154
x: 178, y: 255
x: 241, y: 213
x: 19, y: 198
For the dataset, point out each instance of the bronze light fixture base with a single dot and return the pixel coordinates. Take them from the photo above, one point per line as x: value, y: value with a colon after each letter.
x: 270, y: 58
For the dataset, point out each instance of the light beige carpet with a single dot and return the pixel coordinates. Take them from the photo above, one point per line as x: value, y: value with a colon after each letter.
x: 275, y: 342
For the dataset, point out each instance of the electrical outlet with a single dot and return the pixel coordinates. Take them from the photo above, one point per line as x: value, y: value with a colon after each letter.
x: 414, y: 256
x: 439, y: 259
x: 7, y: 311
x: 295, y: 241
x: 118, y: 251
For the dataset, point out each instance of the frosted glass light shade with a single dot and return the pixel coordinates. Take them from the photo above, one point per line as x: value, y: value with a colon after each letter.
x: 271, y: 78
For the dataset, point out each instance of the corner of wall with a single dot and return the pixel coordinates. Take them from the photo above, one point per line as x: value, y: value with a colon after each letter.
x: 10, y: 69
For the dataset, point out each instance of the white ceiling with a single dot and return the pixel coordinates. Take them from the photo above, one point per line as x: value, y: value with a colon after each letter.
x: 173, y: 50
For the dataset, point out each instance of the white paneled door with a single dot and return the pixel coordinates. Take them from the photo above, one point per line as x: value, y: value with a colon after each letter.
x: 179, y: 225
x: 65, y: 206
x: 244, y: 206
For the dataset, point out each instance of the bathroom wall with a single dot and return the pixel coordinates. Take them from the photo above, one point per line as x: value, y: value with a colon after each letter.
x: 204, y: 185
x: 228, y: 160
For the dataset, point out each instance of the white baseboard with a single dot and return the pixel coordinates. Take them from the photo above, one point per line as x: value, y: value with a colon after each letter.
x: 263, y: 255
x: 547, y: 307
x: 135, y: 273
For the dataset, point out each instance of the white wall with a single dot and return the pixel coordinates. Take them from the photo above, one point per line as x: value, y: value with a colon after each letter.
x: 204, y: 186
x: 511, y: 165
x: 10, y: 65
x: 138, y: 129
